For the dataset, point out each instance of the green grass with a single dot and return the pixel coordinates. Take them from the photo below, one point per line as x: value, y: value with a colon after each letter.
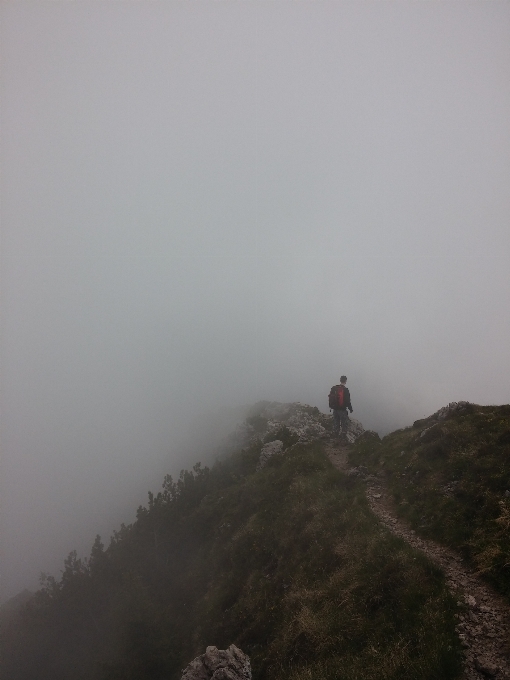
x: 288, y: 563
x: 450, y: 483
x: 323, y: 587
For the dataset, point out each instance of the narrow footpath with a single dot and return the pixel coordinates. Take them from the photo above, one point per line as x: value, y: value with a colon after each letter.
x: 484, y: 630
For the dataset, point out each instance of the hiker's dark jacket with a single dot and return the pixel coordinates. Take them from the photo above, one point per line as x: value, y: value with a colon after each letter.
x: 347, y: 398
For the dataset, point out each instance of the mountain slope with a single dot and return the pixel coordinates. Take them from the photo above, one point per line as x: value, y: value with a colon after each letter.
x: 449, y: 475
x: 286, y: 561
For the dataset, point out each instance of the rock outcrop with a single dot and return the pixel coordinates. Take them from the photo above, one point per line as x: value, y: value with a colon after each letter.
x: 268, y: 450
x: 354, y: 430
x: 219, y: 664
x: 453, y: 407
x: 444, y: 413
x: 300, y: 422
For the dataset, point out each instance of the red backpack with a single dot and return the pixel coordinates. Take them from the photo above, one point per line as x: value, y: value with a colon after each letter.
x: 337, y: 397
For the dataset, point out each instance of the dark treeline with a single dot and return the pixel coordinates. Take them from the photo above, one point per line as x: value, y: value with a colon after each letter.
x: 126, y: 602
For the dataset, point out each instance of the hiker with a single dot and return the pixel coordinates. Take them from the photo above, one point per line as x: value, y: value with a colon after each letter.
x: 340, y: 401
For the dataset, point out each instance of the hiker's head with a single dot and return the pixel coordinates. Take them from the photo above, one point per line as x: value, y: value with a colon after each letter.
x: 343, y: 379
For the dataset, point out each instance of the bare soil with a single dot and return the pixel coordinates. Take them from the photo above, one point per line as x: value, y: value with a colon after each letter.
x: 484, y: 625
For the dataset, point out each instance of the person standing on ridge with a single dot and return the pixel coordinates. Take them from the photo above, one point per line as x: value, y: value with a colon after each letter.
x: 340, y: 401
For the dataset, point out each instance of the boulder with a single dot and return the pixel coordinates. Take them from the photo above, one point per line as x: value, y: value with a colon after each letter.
x: 269, y: 450
x: 219, y: 664
x: 354, y: 430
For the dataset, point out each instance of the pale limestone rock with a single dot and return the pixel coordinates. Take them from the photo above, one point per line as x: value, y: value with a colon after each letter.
x: 305, y: 423
x: 354, y: 430
x: 451, y: 408
x: 269, y: 450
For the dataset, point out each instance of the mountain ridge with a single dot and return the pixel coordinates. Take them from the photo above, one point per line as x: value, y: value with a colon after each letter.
x: 287, y: 562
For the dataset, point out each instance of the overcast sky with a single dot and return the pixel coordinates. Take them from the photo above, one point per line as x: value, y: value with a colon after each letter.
x: 204, y: 204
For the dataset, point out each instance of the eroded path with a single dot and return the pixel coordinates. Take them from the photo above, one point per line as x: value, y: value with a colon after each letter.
x: 484, y: 630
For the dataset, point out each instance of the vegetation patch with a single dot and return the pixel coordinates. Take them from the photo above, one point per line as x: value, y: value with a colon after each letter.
x: 451, y: 480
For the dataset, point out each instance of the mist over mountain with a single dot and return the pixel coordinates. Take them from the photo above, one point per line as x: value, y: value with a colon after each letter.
x: 206, y: 205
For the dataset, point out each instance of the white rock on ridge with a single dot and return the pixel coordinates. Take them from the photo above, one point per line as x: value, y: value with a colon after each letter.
x: 219, y: 664
x: 451, y: 408
x: 354, y: 430
x: 306, y: 423
x: 268, y: 450
x: 306, y: 426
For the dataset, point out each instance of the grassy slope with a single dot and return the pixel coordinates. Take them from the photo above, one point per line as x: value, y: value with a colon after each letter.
x: 287, y: 562
x: 450, y: 483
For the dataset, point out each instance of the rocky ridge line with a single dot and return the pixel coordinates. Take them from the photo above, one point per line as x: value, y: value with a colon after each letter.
x: 306, y: 423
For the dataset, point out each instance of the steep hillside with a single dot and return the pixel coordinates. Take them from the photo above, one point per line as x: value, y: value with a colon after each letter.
x: 449, y: 475
x: 285, y: 560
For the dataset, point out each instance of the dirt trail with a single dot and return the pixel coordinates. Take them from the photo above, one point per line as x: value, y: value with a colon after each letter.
x: 484, y: 630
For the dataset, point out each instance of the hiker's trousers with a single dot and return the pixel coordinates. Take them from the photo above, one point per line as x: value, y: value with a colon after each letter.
x: 340, y: 420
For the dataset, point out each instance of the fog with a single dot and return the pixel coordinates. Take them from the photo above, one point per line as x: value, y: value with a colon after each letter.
x: 211, y: 203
